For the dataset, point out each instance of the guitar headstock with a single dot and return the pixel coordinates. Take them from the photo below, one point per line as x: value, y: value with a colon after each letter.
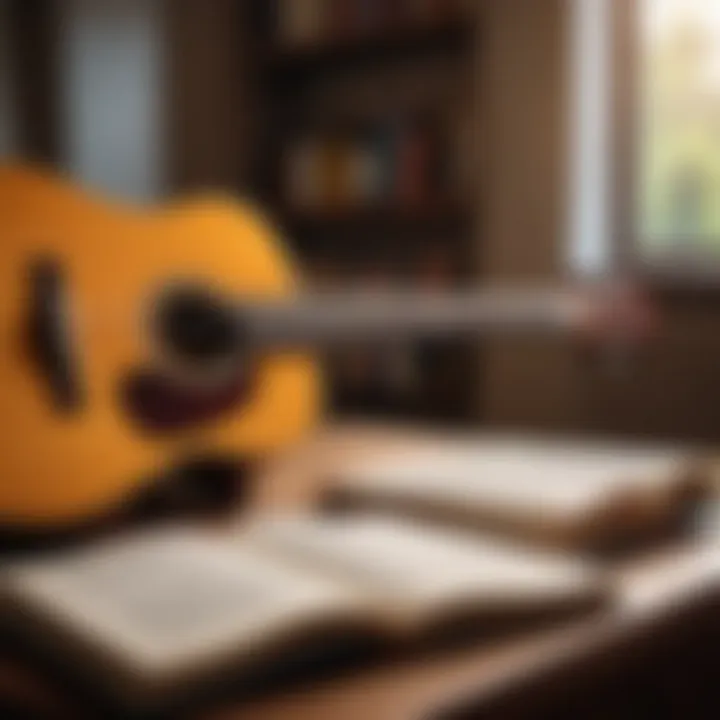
x: 618, y: 321
x: 618, y: 312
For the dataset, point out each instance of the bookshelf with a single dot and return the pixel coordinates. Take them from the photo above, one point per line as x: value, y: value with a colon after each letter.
x: 364, y: 152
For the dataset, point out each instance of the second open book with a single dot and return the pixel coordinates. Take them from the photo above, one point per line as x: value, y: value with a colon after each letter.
x: 580, y: 496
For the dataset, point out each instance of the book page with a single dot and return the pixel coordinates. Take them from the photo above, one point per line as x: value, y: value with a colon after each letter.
x: 160, y: 599
x: 405, y: 564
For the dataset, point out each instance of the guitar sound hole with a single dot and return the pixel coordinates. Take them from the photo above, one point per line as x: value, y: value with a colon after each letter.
x: 158, y: 404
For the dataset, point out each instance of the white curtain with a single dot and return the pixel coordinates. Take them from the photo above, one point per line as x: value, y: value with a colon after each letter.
x: 111, y: 80
x: 590, y: 77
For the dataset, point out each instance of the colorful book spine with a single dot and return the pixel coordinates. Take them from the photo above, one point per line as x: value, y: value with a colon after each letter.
x: 389, y: 137
x: 365, y: 172
x: 336, y: 167
x: 342, y: 21
x: 413, y: 162
x: 303, y: 182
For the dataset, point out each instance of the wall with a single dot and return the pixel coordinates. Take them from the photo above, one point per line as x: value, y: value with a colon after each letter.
x: 210, y: 116
x: 522, y: 100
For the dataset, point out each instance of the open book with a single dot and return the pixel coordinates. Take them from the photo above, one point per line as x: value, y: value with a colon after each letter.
x: 156, y: 616
x: 578, y: 496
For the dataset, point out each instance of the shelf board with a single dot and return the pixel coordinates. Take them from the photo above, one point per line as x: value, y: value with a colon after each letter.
x: 296, y: 63
x: 380, y: 232
x: 424, y: 219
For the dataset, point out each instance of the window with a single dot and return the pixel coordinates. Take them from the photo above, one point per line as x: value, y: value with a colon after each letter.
x: 645, y: 109
x: 678, y: 200
x: 588, y: 189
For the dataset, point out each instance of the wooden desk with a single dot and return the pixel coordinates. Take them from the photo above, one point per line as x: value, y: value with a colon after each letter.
x: 659, y: 596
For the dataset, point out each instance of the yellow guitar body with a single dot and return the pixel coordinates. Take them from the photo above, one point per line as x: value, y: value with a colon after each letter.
x: 57, y: 468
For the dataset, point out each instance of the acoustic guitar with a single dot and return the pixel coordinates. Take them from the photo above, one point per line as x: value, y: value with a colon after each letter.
x: 131, y: 339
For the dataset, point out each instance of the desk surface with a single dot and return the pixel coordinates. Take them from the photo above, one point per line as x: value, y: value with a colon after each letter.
x: 652, y: 592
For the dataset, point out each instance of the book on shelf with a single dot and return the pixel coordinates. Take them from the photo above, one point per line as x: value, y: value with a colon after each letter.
x: 343, y: 20
x: 151, y: 619
x: 412, y: 167
x: 589, y: 497
x: 464, y: 154
x: 337, y: 177
x: 303, y: 176
x: 367, y: 178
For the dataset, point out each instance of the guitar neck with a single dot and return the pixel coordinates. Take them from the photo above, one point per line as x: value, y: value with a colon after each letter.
x: 325, y: 320
x: 201, y: 329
